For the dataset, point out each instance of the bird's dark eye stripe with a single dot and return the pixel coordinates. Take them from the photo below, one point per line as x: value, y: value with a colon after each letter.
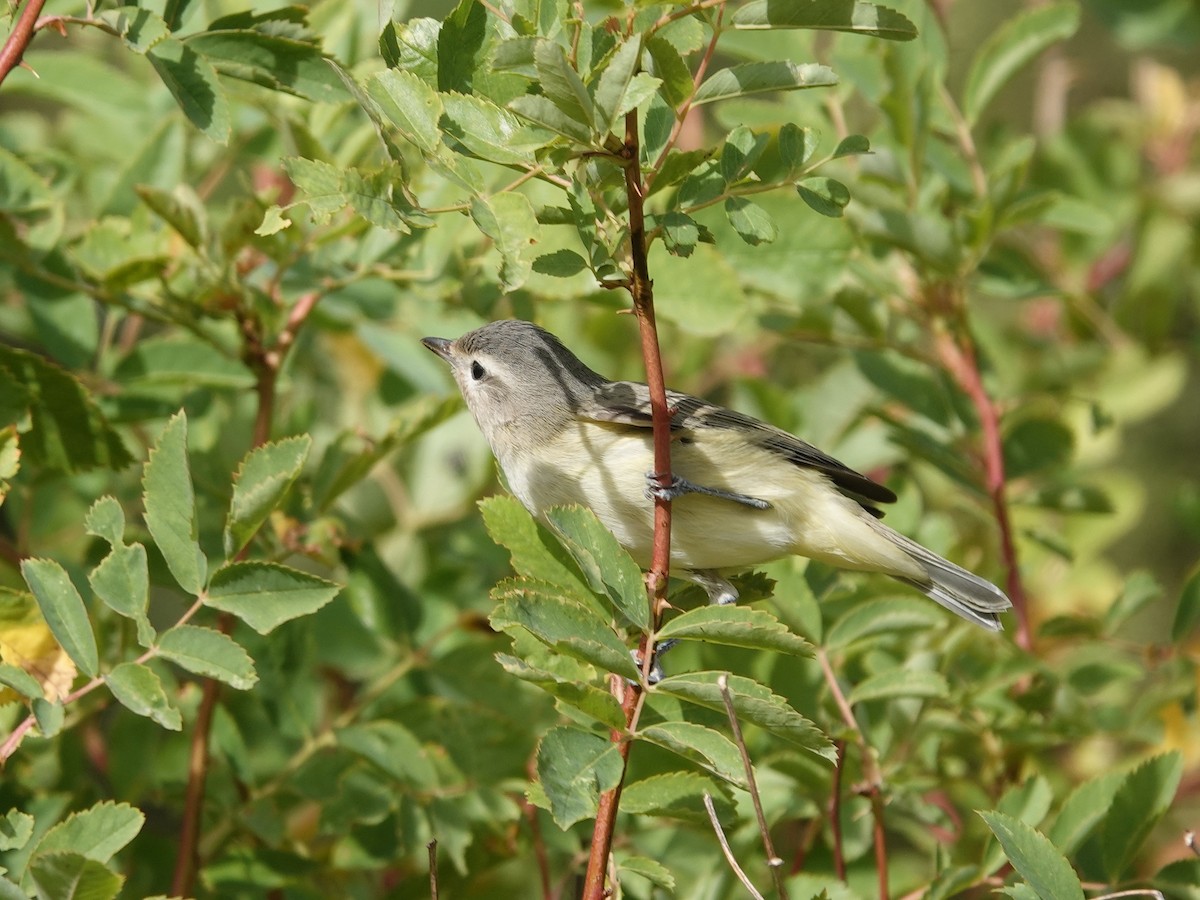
x: 477, y: 371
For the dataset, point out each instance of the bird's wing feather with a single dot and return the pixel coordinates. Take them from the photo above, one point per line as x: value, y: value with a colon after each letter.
x: 628, y: 403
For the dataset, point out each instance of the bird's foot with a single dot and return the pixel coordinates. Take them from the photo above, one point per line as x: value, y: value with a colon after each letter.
x: 720, y: 591
x: 679, y: 487
x: 656, y: 670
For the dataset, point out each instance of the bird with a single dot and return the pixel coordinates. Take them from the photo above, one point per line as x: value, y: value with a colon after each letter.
x: 743, y: 492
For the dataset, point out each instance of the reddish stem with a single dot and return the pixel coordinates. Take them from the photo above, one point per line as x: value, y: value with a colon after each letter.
x: 835, y: 811
x: 18, y: 40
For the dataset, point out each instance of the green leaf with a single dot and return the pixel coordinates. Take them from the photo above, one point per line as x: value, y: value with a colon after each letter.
x: 208, y: 652
x: 410, y: 104
x: 139, y: 29
x: 378, y: 196
x: 140, y: 690
x: 259, y: 485
x: 702, y: 746
x: 679, y: 795
x: 460, y: 46
x: 1187, y: 612
x: 825, y: 195
x: 1027, y: 802
x: 72, y: 876
x: 106, y: 519
x: 412, y: 46
x: 321, y: 184
x: 741, y: 152
x: 508, y: 219
x: 757, y: 77
x: 561, y: 622
x: 275, y: 61
x: 852, y: 145
x: 886, y: 616
x: 181, y: 209
x: 193, y: 83
x: 750, y: 221
x: 562, y: 86
x: 1036, y: 445
x: 16, y: 828
x: 854, y: 16
x: 122, y: 581
x: 575, y: 767
x: 49, y: 715
x: 650, y: 869
x: 1138, y: 804
x: 678, y: 165
x: 900, y: 682
x: 20, y: 681
x: 394, y: 749
x: 273, y: 222
x: 588, y: 699
x: 182, y: 362
x: 1141, y: 589
x: 1084, y: 809
x: 487, y: 131
x: 64, y: 612
x: 609, y: 569
x: 670, y: 68
x: 97, y: 833
x: 611, y: 100
x: 753, y: 703
x: 1035, y: 858
x: 560, y: 264
x: 535, y: 552
x: 265, y: 595
x: 171, y: 506
x: 680, y: 233
x: 68, y: 432
x: 543, y: 112
x: 1012, y: 47
x: 735, y: 626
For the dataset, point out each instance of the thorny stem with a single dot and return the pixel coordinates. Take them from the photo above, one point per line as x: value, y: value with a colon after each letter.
x: 873, y: 787
x: 18, y: 40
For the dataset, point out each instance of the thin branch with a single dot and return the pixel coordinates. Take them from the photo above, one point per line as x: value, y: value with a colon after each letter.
x: 606, y: 813
x: 729, y: 858
x: 433, y: 880
x: 835, y: 812
x: 773, y: 860
x: 873, y: 787
x: 14, y: 48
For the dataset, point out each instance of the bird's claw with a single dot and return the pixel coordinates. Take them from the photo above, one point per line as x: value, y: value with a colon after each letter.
x: 655, y: 675
x: 678, y: 487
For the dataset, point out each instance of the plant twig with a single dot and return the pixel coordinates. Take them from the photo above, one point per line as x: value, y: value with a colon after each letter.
x: 835, y: 812
x: 729, y: 857
x: 18, y: 40
x: 773, y: 861
x: 433, y: 881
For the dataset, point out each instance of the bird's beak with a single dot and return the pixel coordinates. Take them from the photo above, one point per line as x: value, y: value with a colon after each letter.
x: 440, y: 346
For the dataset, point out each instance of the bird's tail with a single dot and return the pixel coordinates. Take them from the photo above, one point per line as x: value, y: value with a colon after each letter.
x: 955, y: 588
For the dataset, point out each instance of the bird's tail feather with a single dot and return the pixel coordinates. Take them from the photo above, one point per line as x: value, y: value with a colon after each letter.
x: 960, y: 591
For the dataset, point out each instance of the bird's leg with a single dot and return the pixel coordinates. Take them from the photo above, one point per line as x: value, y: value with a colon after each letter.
x: 720, y: 591
x: 679, y: 487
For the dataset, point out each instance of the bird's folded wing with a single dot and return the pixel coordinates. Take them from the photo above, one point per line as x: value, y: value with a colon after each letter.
x: 628, y: 403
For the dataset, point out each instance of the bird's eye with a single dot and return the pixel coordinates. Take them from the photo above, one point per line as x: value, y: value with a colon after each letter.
x: 477, y: 371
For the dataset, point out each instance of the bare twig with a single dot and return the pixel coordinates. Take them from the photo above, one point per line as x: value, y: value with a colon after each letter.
x: 773, y: 860
x: 835, y: 811
x: 733, y: 863
x: 18, y: 40
x: 433, y: 885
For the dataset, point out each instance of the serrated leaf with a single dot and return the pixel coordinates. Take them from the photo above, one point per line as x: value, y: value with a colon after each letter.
x: 122, y: 582
x: 560, y: 264
x: 824, y: 195
x: 16, y: 828
x: 757, y: 77
x: 265, y: 595
x: 321, y: 186
x: 1027, y: 802
x: 543, y: 112
x: 1084, y: 808
x: 140, y: 690
x: 486, y: 130
x: 194, y: 84
x: 735, y: 626
x: 72, y: 876
x: 900, y: 683
x: 562, y: 86
x: 394, y: 749
x: 273, y: 222
x: 702, y: 746
x: 460, y: 46
x: 1035, y: 858
x: 280, y: 62
x: 613, y: 85
x: 410, y: 104
x: 674, y: 73
x: 535, y: 553
x: 750, y: 221
x: 171, y: 506
x: 609, y: 569
x: 679, y: 795
x: 887, y: 615
x: 1011, y: 47
x: 96, y: 833
x: 261, y: 482
x: 508, y: 219
x: 588, y: 699
x: 561, y: 622
x: 139, y: 29
x: 378, y: 196
x: 1138, y: 804
x: 106, y: 519
x: 63, y: 610
x: 754, y: 703
x: 678, y: 165
x: 854, y: 16
x: 574, y: 768
x: 650, y: 869
x: 208, y: 652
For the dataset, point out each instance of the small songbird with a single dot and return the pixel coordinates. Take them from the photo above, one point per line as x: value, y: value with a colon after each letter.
x: 743, y: 492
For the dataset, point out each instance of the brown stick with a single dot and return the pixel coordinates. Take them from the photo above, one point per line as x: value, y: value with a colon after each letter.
x: 18, y: 41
